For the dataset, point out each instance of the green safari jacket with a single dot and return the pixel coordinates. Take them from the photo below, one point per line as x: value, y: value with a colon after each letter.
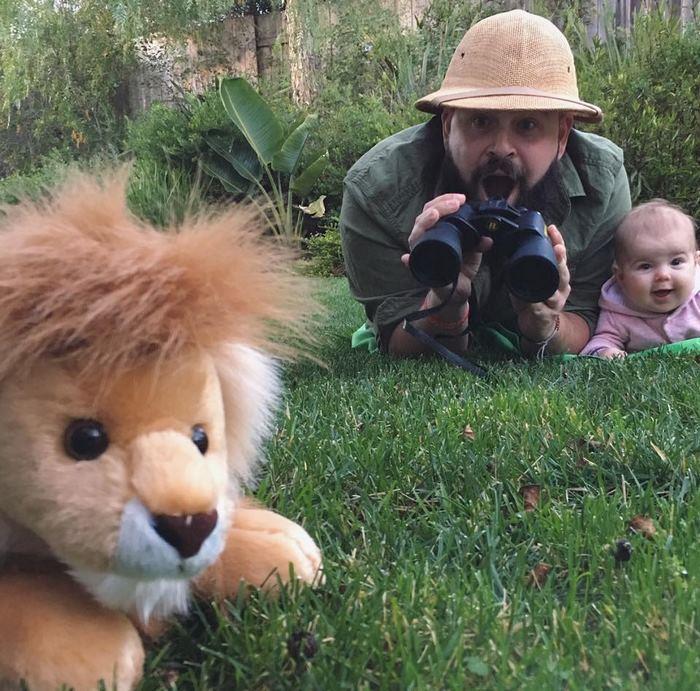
x: 387, y: 188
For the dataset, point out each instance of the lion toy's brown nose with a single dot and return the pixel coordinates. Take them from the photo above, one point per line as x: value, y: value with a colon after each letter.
x: 186, y: 533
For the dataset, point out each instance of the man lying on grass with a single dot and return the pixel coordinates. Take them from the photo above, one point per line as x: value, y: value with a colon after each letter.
x: 503, y: 128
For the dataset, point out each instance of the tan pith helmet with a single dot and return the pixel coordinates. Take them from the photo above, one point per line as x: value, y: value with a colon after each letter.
x: 512, y: 61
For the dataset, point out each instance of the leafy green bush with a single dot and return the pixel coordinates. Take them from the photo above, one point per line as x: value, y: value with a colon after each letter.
x: 166, y: 143
x: 161, y: 134
x: 361, y: 49
x: 164, y: 195
x: 648, y: 86
x: 351, y: 127
x: 324, y: 253
x: 50, y: 171
x: 32, y: 184
x: 61, y: 67
x: 175, y: 134
x: 441, y: 30
x: 199, y: 140
x: 157, y: 193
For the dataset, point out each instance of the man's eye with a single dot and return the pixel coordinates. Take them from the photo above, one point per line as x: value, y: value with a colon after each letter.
x: 527, y: 125
x: 480, y: 122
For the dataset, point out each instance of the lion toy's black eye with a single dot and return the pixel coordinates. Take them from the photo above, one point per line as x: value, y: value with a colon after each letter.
x: 85, y: 440
x: 200, y: 439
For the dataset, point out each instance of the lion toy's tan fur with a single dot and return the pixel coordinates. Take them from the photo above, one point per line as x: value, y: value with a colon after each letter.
x: 136, y: 386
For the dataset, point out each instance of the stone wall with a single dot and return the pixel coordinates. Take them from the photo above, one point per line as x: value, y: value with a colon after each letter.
x: 241, y: 46
x: 246, y: 46
x: 238, y: 45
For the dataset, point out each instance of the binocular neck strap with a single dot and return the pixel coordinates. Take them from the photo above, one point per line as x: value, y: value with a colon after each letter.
x: 430, y: 341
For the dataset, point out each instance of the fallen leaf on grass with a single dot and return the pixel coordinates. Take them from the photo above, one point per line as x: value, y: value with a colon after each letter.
x: 531, y: 496
x: 468, y: 433
x: 538, y: 575
x: 644, y: 526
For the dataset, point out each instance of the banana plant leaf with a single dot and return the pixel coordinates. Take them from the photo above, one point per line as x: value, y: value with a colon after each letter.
x: 287, y: 158
x: 298, y: 119
x: 252, y: 116
x: 218, y: 169
x: 303, y: 183
x: 244, y: 160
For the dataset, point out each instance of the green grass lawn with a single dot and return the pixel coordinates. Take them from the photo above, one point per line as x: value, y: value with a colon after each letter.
x: 409, y: 475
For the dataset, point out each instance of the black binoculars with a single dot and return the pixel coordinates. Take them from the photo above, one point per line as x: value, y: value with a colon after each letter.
x: 519, y: 239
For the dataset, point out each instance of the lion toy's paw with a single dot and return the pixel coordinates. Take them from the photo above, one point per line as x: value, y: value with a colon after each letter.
x: 50, y: 631
x: 281, y: 548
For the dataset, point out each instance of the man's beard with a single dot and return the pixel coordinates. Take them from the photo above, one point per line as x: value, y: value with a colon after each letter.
x: 544, y: 196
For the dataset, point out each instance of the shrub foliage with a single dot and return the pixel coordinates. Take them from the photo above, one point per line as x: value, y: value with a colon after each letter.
x: 58, y: 90
x: 648, y: 85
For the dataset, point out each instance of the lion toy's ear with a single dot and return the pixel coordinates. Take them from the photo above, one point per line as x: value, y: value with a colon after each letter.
x: 137, y: 383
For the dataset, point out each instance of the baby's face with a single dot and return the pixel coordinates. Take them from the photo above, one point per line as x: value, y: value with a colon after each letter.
x: 656, y: 270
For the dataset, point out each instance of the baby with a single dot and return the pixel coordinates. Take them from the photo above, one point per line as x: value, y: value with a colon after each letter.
x: 653, y: 297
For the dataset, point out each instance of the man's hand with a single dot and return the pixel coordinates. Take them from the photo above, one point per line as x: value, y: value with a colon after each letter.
x: 453, y: 317
x: 432, y: 212
x: 537, y: 320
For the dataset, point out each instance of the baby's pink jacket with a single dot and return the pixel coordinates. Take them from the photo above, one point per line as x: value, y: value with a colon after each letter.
x: 628, y: 329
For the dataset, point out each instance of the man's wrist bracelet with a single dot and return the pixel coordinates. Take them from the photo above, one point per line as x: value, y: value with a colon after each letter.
x: 450, y: 326
x: 542, y: 345
x: 555, y: 330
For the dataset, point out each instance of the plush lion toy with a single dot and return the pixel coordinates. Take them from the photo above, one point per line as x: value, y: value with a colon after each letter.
x: 134, y: 395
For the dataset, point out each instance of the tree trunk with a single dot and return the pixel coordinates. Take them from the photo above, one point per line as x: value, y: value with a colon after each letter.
x: 302, y: 60
x: 686, y: 12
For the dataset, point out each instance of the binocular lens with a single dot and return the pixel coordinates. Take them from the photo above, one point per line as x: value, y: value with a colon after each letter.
x: 532, y: 272
x: 436, y: 259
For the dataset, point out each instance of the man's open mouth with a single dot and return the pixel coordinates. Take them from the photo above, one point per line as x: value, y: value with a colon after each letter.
x: 498, y: 186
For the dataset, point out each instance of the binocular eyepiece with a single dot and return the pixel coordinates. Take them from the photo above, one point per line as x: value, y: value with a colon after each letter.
x: 519, y: 237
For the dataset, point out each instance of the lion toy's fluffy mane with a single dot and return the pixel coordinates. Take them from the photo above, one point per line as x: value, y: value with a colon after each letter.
x: 83, y: 281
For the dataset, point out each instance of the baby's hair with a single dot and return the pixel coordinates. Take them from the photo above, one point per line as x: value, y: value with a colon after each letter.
x: 643, y: 212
